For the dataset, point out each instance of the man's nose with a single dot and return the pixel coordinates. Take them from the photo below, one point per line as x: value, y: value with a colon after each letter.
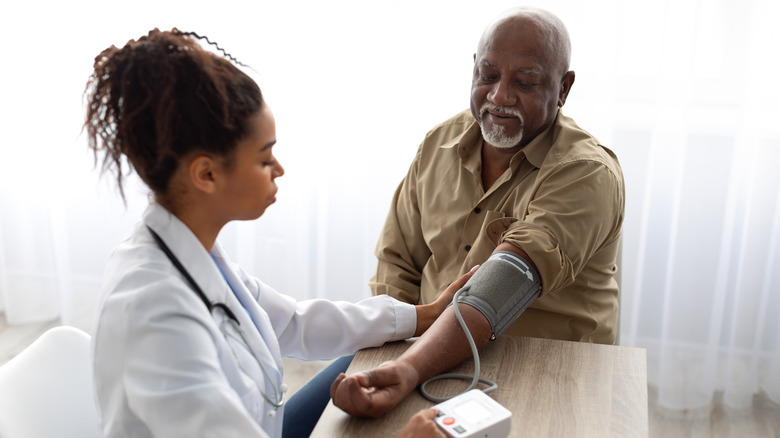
x: 502, y: 94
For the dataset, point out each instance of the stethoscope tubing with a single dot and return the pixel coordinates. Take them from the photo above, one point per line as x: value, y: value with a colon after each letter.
x: 229, y: 317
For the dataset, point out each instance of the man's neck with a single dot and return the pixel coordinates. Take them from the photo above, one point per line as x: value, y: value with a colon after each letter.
x: 495, y: 161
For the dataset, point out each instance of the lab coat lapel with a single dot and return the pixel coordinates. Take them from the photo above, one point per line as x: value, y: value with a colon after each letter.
x: 190, y: 252
x: 248, y: 304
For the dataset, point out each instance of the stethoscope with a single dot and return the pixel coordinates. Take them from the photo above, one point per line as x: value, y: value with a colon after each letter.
x: 228, y: 318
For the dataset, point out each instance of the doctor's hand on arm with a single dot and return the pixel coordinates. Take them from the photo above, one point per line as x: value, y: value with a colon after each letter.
x: 428, y: 313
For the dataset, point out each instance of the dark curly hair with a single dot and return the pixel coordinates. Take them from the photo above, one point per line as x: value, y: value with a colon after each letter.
x: 161, y: 97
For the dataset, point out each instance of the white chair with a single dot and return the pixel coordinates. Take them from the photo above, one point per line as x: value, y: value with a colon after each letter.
x: 46, y: 390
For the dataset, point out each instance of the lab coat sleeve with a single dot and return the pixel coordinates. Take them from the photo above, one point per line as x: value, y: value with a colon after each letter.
x: 322, y: 329
x: 173, y: 378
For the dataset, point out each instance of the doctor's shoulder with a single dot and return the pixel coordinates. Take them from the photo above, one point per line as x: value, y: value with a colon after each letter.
x: 141, y: 283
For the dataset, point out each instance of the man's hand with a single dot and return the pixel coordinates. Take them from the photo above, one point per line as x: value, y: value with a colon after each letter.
x: 375, y: 392
x: 421, y: 425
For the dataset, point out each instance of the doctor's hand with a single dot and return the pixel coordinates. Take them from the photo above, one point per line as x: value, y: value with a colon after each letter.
x: 374, y: 392
x: 428, y: 313
x: 421, y: 425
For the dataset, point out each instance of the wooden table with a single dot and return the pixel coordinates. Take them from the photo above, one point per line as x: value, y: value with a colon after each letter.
x: 553, y: 388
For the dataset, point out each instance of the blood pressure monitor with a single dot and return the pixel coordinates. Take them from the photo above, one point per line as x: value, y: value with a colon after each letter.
x: 473, y: 414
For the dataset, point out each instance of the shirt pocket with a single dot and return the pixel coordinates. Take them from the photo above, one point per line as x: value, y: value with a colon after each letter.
x: 484, y: 244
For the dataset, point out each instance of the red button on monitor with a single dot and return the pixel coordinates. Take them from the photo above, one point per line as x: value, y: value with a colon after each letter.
x: 448, y: 421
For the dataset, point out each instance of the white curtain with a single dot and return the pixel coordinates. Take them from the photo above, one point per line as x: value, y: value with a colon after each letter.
x: 683, y: 91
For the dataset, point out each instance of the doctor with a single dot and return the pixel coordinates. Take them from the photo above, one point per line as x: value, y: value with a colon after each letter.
x: 186, y: 342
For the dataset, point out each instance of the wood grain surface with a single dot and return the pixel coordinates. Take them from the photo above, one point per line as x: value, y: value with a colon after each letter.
x: 553, y: 388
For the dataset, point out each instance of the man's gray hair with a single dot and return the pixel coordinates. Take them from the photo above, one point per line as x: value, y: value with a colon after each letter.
x: 557, y: 35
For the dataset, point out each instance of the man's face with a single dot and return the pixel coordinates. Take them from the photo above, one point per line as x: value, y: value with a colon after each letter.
x: 516, y: 87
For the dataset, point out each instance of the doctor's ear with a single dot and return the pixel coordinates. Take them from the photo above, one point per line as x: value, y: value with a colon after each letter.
x: 201, y: 173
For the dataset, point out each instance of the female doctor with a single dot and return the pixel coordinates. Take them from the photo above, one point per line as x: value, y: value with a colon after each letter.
x: 186, y: 342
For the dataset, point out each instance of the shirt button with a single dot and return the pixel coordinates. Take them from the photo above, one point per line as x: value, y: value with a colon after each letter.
x: 477, y: 210
x: 468, y: 248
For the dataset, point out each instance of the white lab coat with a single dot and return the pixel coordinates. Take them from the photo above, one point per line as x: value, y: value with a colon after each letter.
x: 164, y: 368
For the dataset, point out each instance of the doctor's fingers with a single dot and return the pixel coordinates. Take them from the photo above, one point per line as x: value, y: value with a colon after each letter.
x: 456, y: 285
x: 422, y: 425
x: 461, y: 281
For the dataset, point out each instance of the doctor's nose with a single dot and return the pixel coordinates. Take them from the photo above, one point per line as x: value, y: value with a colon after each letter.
x: 278, y: 170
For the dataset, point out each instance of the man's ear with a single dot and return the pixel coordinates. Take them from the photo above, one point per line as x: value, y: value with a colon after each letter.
x: 566, y: 82
x: 201, y: 174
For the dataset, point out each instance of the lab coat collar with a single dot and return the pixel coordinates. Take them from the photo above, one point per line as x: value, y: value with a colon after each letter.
x: 188, y: 249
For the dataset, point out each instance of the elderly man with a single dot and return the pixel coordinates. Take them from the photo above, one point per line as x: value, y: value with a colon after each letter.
x: 513, y: 185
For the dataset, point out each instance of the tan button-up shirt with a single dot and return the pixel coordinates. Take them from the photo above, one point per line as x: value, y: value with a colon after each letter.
x: 561, y: 201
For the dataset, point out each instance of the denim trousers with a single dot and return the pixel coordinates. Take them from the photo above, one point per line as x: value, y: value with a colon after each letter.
x: 304, y: 408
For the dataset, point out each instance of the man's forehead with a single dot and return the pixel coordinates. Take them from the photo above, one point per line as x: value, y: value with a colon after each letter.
x: 526, y: 34
x: 532, y: 70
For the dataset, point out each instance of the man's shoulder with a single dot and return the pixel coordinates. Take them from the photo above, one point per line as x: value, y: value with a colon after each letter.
x: 456, y: 124
x: 573, y: 141
x: 449, y: 131
x: 461, y: 119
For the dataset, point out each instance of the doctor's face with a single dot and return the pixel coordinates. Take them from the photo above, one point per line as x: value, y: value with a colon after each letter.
x: 249, y: 187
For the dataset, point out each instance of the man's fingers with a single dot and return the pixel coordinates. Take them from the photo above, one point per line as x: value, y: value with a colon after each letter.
x: 335, y: 384
x: 376, y: 378
x: 355, y: 399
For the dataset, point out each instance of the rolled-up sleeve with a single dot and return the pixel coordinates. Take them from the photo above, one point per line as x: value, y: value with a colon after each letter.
x: 577, y: 207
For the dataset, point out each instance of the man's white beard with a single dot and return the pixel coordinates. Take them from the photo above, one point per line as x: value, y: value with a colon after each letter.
x: 497, y: 137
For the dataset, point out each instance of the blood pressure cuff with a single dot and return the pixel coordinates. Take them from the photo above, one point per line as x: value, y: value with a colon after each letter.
x: 502, y: 288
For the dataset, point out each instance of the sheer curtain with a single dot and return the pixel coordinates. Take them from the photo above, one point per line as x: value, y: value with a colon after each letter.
x: 682, y: 91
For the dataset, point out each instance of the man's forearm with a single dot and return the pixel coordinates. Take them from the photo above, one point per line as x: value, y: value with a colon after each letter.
x: 444, y: 344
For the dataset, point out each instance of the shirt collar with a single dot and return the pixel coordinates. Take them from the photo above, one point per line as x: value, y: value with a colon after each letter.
x: 536, y: 151
x: 470, y: 142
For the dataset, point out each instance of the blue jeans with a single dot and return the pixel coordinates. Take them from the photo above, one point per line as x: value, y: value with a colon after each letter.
x: 304, y: 408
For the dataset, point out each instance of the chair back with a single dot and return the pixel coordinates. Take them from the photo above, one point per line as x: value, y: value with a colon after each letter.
x: 47, y: 390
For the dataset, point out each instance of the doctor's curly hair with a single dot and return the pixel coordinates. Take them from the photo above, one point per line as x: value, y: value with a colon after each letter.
x: 161, y: 97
